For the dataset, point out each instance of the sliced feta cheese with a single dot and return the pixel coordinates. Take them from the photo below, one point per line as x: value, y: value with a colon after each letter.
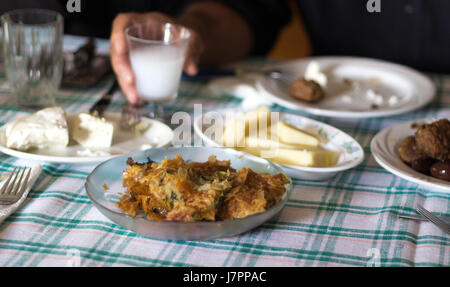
x: 291, y: 135
x: 347, y: 99
x: 91, y: 153
x: 318, y: 158
x: 234, y: 133
x: 237, y: 128
x: 374, y: 97
x: 93, y: 132
x: 44, y: 129
x: 300, y: 157
x: 313, y: 73
x: 393, y: 100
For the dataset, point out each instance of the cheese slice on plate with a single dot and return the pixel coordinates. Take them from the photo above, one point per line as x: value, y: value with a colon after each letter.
x: 291, y: 135
x: 298, y: 157
x: 309, y: 158
x: 44, y: 129
x: 91, y: 131
x: 238, y: 128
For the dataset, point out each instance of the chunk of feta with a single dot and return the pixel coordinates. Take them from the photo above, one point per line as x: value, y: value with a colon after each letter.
x: 44, y: 129
x: 92, y: 132
x: 374, y: 97
x: 313, y: 73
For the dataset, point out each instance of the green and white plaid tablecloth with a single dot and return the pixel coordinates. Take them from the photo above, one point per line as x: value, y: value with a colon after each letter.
x: 350, y: 220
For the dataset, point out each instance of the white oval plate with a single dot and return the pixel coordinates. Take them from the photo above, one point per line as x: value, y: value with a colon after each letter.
x: 411, y: 89
x: 351, y: 153
x: 384, y: 149
x: 157, y: 135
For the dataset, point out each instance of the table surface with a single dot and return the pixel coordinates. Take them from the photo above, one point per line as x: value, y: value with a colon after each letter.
x: 349, y: 220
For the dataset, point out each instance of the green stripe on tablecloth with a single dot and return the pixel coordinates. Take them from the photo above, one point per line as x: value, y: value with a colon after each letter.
x: 75, y: 212
x: 388, y: 235
x: 243, y: 247
x: 122, y: 231
x: 70, y: 199
x: 115, y: 257
x: 90, y: 253
x: 48, y: 170
x: 318, y: 229
x: 349, y: 208
x: 334, y: 211
x: 372, y: 189
x: 44, y: 237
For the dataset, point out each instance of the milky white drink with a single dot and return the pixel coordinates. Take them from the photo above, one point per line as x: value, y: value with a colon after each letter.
x: 158, y: 71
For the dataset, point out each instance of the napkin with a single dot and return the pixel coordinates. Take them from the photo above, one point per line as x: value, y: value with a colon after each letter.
x: 243, y: 87
x: 7, y: 210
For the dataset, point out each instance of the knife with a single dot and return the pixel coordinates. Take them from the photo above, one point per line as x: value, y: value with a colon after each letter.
x: 418, y: 217
x: 100, y: 106
x: 84, y: 55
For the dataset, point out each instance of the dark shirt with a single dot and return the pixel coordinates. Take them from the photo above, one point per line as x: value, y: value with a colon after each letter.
x: 266, y: 17
x: 410, y: 32
x: 96, y: 17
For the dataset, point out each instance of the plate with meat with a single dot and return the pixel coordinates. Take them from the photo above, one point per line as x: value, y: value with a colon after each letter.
x: 418, y: 151
x: 188, y: 193
x: 347, y: 87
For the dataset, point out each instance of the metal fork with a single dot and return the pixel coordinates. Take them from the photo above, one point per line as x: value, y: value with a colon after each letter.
x: 130, y: 117
x: 12, y: 191
x: 433, y: 219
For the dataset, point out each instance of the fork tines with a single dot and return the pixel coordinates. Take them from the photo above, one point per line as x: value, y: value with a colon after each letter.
x: 11, y: 191
x: 434, y: 219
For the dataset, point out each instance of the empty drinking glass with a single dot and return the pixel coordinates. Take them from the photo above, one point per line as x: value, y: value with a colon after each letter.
x: 33, y: 55
x: 157, y: 53
x: 1, y: 54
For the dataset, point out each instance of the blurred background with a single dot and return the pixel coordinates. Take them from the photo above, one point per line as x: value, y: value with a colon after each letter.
x: 409, y: 32
x: 293, y: 41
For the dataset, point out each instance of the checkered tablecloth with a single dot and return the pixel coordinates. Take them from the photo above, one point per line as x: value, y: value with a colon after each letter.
x: 350, y: 220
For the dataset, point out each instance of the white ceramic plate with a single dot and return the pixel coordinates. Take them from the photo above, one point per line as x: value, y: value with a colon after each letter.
x: 384, y: 149
x: 402, y: 89
x: 351, y: 153
x: 157, y: 135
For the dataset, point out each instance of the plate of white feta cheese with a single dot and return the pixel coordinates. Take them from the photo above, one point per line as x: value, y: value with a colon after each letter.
x: 51, y: 135
x: 353, y: 87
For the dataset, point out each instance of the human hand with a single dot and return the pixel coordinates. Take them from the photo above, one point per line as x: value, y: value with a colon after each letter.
x: 119, y: 49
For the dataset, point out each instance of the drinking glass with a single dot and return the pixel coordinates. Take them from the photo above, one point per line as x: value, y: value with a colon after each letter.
x: 2, y: 69
x: 33, y: 55
x: 157, y: 52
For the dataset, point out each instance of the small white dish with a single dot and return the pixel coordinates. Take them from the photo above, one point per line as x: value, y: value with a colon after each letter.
x: 351, y: 152
x: 399, y: 89
x: 384, y: 149
x: 156, y: 135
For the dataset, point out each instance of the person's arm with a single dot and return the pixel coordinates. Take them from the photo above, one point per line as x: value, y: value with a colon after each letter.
x: 119, y: 49
x: 225, y: 34
x: 218, y: 35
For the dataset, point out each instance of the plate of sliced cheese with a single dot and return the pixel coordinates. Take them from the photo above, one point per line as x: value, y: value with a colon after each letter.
x: 51, y: 135
x: 305, y: 149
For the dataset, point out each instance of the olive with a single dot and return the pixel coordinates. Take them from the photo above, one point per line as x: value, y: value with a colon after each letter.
x: 441, y: 170
x: 423, y: 164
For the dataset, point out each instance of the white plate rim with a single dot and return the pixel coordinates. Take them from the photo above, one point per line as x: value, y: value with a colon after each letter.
x: 335, y: 169
x: 395, y: 165
x: 416, y: 77
x: 73, y: 159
